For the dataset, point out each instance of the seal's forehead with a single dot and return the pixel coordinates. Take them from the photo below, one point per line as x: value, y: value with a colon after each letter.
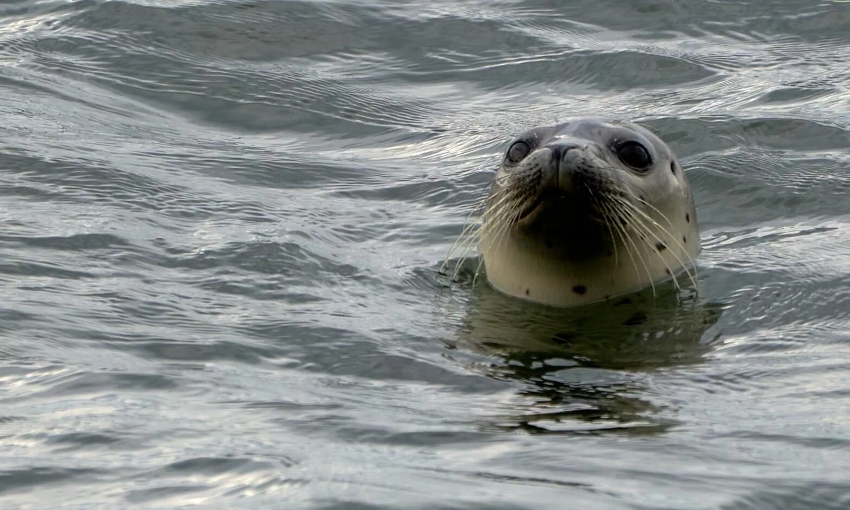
x: 600, y: 130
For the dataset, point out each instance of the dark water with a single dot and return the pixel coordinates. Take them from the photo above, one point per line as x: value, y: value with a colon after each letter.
x: 222, y: 224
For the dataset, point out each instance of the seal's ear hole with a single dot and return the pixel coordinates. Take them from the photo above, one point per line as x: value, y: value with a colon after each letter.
x: 673, y: 167
x: 517, y: 152
x: 634, y: 155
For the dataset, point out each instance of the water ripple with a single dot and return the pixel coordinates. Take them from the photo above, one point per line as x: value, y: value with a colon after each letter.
x: 223, y: 220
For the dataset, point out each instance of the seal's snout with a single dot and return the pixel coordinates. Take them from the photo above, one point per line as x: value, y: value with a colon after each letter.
x: 559, y: 150
x: 557, y: 173
x: 567, y: 166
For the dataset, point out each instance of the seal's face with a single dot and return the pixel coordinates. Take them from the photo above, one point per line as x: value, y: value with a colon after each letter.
x: 587, y: 204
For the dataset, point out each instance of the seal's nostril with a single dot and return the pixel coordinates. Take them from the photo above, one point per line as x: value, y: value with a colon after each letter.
x: 560, y: 150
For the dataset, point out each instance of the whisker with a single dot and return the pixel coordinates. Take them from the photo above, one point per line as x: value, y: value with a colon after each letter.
x: 607, y: 222
x: 623, y: 235
x: 494, y: 228
x: 468, y: 246
x: 471, y: 233
x: 692, y: 277
x: 672, y: 237
x: 664, y: 216
x: 642, y: 261
x: 496, y: 225
x: 462, y: 243
x: 636, y: 222
x: 506, y: 221
x: 464, y: 237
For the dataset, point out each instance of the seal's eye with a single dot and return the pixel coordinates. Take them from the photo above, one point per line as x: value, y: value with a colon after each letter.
x: 635, y: 155
x: 517, y: 152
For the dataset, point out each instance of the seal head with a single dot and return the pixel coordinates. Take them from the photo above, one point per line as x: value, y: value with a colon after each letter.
x: 587, y: 210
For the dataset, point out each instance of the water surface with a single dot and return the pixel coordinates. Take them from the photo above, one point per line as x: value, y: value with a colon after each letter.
x: 222, y: 224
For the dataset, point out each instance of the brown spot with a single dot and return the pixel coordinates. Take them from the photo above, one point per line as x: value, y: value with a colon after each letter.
x: 643, y: 199
x: 579, y: 289
x: 635, y: 320
x: 673, y: 167
x: 688, y: 217
x: 684, y: 239
x: 527, y: 291
x: 660, y: 246
x: 668, y: 272
x: 607, y: 297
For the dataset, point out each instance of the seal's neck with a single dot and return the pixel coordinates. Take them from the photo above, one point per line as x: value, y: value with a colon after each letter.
x: 527, y: 270
x: 530, y: 274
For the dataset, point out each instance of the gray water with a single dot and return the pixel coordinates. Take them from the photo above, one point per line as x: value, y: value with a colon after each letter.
x: 222, y: 226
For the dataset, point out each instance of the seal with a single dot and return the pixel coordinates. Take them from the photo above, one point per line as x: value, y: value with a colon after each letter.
x: 587, y: 210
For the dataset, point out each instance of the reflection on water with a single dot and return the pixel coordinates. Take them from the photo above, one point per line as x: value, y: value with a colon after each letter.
x: 579, y: 369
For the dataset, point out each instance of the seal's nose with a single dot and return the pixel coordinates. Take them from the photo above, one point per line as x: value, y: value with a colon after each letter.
x: 556, y: 161
x: 560, y: 149
x: 565, y: 163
